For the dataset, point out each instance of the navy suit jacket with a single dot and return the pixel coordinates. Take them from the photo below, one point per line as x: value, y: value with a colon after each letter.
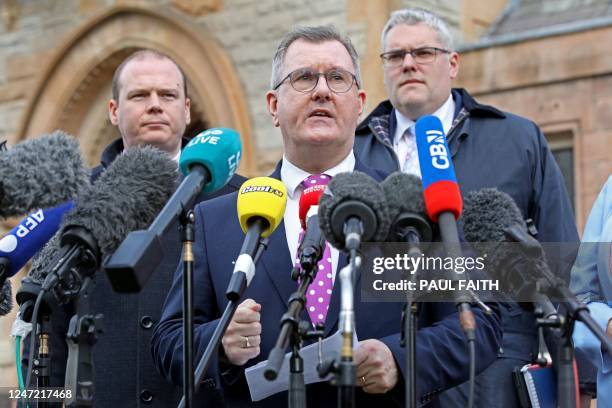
x: 441, y: 346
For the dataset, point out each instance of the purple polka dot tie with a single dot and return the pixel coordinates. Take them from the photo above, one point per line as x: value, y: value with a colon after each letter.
x: 319, y: 291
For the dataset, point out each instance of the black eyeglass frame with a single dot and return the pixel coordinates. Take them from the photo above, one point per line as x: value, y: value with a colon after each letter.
x: 318, y: 74
x: 436, y: 50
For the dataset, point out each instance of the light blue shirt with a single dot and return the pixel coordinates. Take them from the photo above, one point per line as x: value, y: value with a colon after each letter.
x: 591, y: 281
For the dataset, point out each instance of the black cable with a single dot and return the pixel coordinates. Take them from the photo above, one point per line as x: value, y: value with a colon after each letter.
x: 34, y: 321
x: 472, y: 380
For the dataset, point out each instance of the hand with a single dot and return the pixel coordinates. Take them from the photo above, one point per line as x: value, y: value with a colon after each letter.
x: 376, y: 368
x: 609, y: 331
x: 243, y: 335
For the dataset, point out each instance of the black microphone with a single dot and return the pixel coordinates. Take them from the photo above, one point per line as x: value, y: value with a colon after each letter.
x: 404, y: 195
x: 6, y: 298
x: 312, y: 246
x: 127, y: 197
x: 40, y: 173
x: 353, y: 209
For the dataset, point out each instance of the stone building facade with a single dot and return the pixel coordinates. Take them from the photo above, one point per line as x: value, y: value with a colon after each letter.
x: 57, y: 58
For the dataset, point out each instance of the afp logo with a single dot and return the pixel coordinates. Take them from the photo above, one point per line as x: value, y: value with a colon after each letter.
x: 437, y: 149
x: 261, y: 189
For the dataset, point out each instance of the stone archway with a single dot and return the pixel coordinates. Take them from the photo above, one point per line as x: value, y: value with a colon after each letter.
x: 73, y: 91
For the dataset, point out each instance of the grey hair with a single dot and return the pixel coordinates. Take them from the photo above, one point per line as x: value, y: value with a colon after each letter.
x: 414, y: 16
x: 314, y: 35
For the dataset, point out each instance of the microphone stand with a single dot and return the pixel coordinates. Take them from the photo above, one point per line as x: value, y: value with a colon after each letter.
x: 187, y: 221
x: 82, y: 335
x: 233, y: 296
x: 551, y: 285
x: 294, y: 331
x: 345, y: 370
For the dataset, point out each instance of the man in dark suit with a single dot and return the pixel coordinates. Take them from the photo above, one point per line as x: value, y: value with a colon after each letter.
x: 315, y: 100
x: 150, y: 107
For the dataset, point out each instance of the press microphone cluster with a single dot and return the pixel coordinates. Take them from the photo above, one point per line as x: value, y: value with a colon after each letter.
x: 126, y: 197
x: 33, y: 179
x: 208, y: 162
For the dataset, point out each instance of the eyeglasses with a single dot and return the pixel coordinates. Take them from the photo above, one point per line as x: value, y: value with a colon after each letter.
x: 305, y: 80
x: 424, y: 55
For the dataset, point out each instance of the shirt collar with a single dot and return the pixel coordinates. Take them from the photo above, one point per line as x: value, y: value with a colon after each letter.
x: 292, y: 176
x: 445, y: 113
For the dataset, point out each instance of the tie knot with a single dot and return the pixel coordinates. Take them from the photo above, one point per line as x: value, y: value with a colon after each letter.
x: 409, y: 132
x: 316, y: 179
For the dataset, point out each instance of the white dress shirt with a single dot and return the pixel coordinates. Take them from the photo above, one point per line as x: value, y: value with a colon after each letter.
x: 292, y: 177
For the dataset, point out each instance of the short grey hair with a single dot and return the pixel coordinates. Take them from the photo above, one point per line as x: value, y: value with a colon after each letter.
x: 316, y: 35
x: 414, y: 16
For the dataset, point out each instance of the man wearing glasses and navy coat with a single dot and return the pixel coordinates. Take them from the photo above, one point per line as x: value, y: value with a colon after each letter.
x: 489, y: 148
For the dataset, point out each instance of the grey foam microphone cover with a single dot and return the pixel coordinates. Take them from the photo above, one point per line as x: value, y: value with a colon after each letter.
x: 127, y: 197
x: 358, y: 187
x: 487, y: 213
x: 404, y: 193
x: 40, y: 173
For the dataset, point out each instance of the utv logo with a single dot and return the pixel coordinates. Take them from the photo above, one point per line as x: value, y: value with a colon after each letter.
x: 437, y: 149
x: 261, y: 189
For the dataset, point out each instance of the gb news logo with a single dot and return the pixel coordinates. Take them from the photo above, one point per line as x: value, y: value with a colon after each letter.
x: 437, y: 149
x: 261, y: 189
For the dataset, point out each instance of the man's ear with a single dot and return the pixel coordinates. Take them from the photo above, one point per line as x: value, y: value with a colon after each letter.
x: 187, y: 110
x: 112, y: 111
x: 272, y: 102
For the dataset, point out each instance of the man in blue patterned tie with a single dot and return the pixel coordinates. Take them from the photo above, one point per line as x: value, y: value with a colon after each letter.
x: 316, y: 100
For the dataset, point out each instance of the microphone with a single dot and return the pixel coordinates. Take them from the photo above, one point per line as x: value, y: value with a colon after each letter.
x: 40, y: 173
x: 208, y: 162
x: 261, y: 206
x: 6, y: 298
x: 404, y: 195
x: 313, y: 243
x: 353, y: 209
x: 126, y: 197
x: 28, y: 237
x: 442, y: 199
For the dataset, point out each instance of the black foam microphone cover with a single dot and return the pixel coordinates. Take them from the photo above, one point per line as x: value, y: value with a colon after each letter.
x: 127, y: 197
x: 353, y: 195
x: 40, y: 173
x: 404, y: 195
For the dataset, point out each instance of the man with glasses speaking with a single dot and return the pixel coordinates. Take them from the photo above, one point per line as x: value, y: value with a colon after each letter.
x: 489, y: 148
x: 316, y: 100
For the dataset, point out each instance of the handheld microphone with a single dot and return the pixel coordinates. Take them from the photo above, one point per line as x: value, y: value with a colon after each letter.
x: 40, y: 173
x: 353, y: 209
x: 404, y: 195
x: 312, y: 246
x: 126, y: 197
x: 261, y: 205
x: 28, y: 237
x: 443, y: 199
x: 208, y: 162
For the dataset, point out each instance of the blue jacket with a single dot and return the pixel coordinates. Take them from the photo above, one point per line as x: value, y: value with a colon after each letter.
x: 441, y: 346
x: 592, y: 283
x: 491, y: 148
